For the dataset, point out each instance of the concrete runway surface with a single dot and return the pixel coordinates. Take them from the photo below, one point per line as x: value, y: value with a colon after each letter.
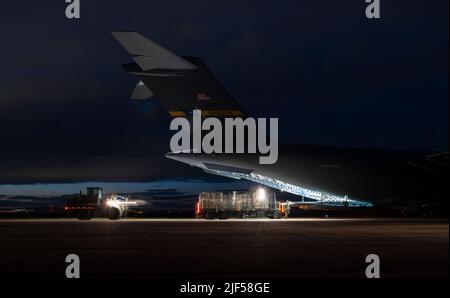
x: 229, y: 248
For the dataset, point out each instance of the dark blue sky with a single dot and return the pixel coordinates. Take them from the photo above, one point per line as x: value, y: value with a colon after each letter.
x: 330, y: 75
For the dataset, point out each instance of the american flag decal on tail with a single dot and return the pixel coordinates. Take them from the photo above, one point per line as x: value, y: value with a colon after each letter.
x: 203, y: 96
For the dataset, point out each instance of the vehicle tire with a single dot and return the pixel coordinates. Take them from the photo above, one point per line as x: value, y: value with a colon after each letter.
x: 210, y: 215
x: 85, y: 215
x: 223, y: 215
x: 113, y: 213
x: 276, y: 215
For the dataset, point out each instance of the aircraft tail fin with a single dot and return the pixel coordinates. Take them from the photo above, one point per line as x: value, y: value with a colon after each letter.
x: 181, y: 84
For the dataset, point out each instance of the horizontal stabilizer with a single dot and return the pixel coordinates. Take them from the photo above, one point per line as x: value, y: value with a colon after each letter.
x: 435, y: 162
x: 141, y: 92
x: 149, y: 55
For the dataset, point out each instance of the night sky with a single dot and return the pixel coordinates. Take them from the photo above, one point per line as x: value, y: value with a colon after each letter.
x: 330, y: 75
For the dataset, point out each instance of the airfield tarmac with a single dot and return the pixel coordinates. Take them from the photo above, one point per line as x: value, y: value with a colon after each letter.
x: 184, y: 248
